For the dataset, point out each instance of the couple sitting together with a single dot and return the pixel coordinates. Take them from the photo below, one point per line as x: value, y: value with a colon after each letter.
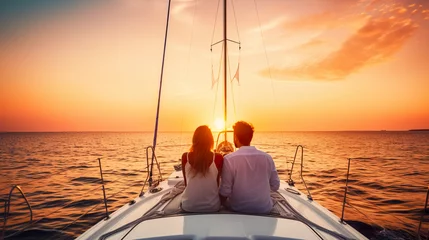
x: 241, y: 181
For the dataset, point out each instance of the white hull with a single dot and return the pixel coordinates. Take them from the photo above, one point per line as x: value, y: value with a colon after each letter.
x: 221, y: 225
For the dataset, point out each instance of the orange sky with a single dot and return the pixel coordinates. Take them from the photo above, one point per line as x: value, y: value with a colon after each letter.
x: 304, y: 65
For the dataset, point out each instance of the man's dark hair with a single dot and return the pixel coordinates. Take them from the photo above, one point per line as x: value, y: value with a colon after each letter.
x: 244, y: 132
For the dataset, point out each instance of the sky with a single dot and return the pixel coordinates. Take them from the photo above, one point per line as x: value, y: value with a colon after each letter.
x: 311, y: 65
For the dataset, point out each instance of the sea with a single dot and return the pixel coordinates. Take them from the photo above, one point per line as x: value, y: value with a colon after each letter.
x: 59, y: 174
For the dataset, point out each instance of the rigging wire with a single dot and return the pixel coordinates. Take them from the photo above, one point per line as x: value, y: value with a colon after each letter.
x: 214, y: 27
x: 211, y: 50
x: 217, y: 80
x: 232, y: 84
x: 155, y: 135
x: 162, y: 74
x: 188, y: 63
x: 238, y: 63
x: 265, y: 50
x: 235, y: 18
x: 233, y: 101
x: 229, y: 65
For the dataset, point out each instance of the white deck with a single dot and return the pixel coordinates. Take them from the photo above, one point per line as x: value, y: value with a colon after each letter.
x: 221, y: 225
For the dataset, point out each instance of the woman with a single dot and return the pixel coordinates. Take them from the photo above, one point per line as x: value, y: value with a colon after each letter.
x: 201, y: 170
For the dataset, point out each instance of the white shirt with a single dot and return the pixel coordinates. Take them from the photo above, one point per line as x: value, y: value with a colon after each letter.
x: 248, y: 175
x: 201, y: 193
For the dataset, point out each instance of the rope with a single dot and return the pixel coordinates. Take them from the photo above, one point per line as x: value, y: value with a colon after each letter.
x: 154, y: 213
x: 305, y: 220
x: 134, y: 223
x: 129, y: 225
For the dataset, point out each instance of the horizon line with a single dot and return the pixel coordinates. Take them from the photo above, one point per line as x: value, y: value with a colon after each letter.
x: 147, y: 131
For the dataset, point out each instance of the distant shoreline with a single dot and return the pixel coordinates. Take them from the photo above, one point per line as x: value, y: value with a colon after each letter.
x: 419, y: 130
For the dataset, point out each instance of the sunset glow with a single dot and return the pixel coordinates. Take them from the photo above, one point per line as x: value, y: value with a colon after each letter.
x: 219, y: 124
x: 303, y: 65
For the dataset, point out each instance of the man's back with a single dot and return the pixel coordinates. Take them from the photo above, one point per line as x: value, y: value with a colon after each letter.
x: 248, y: 175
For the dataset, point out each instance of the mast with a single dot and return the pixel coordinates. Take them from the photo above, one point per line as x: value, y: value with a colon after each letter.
x: 155, y: 134
x: 225, y: 41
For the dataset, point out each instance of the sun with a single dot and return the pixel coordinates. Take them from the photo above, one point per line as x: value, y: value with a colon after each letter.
x: 219, y: 124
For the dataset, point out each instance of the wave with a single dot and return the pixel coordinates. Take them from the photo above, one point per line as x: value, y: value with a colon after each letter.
x: 86, y: 179
x: 385, y: 185
x: 51, y: 204
x: 84, y: 203
x: 80, y: 167
x: 37, y: 233
x: 33, y: 160
x: 375, y: 232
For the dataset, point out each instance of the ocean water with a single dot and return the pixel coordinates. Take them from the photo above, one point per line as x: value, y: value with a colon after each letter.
x: 60, y: 177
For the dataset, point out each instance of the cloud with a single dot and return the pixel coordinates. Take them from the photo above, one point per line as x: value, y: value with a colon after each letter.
x: 273, y: 24
x: 312, y: 43
x: 320, y: 20
x: 376, y: 41
x: 180, y: 7
x: 339, y: 14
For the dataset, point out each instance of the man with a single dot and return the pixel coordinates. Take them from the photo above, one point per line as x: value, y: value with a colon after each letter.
x: 248, y: 175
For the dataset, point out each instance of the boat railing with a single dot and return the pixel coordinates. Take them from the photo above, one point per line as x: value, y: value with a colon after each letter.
x: 104, y: 190
x: 224, y: 147
x: 7, y: 203
x: 39, y: 218
x: 36, y: 219
x: 346, y: 202
x: 290, y: 181
x: 149, y: 166
x: 347, y: 186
